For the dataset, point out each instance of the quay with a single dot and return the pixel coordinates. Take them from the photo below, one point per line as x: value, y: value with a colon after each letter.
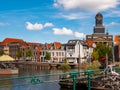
x: 47, y: 65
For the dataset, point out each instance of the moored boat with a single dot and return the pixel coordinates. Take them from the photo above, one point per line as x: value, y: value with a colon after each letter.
x: 8, y: 71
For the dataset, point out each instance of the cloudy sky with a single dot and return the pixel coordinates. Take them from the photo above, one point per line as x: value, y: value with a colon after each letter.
x: 47, y: 21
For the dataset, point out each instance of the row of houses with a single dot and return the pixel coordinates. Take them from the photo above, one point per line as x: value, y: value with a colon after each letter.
x: 73, y: 50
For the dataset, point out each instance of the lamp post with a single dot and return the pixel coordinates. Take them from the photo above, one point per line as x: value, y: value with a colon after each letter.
x: 113, y: 53
x: 79, y: 60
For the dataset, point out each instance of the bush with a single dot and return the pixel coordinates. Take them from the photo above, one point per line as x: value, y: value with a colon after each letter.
x: 93, y: 65
x: 64, y: 67
x: 117, y: 64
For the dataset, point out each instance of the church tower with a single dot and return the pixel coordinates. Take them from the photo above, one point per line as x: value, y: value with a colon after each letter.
x: 99, y: 28
x: 99, y: 34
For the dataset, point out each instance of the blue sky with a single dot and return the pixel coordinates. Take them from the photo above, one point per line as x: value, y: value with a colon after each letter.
x: 47, y: 21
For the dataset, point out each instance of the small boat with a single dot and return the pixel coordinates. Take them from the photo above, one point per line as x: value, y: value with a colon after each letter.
x: 8, y: 71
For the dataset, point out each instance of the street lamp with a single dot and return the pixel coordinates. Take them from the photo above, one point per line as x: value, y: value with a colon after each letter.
x: 113, y: 53
x: 79, y: 60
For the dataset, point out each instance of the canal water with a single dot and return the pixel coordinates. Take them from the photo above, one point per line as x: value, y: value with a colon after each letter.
x: 29, y: 72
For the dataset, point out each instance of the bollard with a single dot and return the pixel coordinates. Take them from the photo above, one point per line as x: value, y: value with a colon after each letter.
x: 74, y: 75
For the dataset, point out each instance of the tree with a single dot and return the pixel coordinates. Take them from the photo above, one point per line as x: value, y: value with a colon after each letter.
x: 19, y: 54
x: 1, y: 52
x: 47, y: 56
x: 101, y: 50
x: 95, y: 55
x: 29, y: 53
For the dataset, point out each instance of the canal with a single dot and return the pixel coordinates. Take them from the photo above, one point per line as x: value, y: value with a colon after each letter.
x: 30, y: 71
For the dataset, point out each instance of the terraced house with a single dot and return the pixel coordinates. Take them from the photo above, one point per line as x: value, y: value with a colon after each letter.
x: 73, y: 50
x: 13, y: 47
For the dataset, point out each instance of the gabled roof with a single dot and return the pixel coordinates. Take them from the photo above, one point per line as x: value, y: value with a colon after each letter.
x: 116, y: 39
x: 48, y: 46
x: 38, y: 48
x: 89, y: 42
x: 57, y: 45
x: 33, y: 43
x: 10, y: 40
x: 72, y: 41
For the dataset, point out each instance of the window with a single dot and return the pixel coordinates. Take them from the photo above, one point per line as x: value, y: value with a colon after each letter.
x: 59, y: 53
x: 56, y: 53
x: 62, y: 53
x: 52, y: 53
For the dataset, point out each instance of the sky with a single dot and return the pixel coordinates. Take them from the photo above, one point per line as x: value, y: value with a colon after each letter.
x: 47, y: 21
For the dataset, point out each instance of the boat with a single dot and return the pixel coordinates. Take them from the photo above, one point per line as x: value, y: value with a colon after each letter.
x: 8, y: 71
x: 6, y: 66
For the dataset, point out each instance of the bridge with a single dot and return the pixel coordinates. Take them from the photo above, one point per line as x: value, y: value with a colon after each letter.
x: 90, y: 79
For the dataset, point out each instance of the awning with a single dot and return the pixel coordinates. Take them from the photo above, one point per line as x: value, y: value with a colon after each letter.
x: 6, y: 58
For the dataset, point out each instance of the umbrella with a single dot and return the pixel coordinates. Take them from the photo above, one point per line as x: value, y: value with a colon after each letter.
x: 6, y: 58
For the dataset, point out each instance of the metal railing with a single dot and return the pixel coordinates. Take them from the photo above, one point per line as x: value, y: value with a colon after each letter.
x: 73, y: 76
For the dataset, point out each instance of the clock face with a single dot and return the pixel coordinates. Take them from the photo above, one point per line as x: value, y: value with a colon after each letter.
x: 99, y: 17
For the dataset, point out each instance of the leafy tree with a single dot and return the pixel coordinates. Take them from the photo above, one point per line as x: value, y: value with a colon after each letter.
x: 19, y: 54
x: 95, y: 55
x: 48, y: 56
x: 1, y: 52
x: 29, y: 53
x: 101, y: 50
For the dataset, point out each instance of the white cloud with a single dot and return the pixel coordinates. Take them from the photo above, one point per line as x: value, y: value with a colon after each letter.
x: 79, y: 35
x: 37, y: 26
x: 88, y: 5
x: 65, y: 31
x: 112, y: 24
x: 3, y: 24
x: 48, y: 25
x: 71, y: 16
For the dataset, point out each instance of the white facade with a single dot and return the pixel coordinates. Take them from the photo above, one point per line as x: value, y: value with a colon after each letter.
x: 76, y: 51
x: 73, y: 51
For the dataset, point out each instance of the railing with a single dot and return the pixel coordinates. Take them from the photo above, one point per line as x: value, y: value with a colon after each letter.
x: 74, y: 76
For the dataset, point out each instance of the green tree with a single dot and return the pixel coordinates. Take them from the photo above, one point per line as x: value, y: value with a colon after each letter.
x: 48, y: 56
x: 95, y: 55
x: 29, y: 53
x: 19, y: 54
x: 1, y: 52
x: 101, y: 50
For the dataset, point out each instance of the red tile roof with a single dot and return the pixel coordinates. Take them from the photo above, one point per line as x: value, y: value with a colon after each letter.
x: 38, y: 48
x: 32, y: 43
x: 57, y: 45
x: 116, y: 39
x: 89, y: 42
x: 48, y: 46
x: 9, y: 40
